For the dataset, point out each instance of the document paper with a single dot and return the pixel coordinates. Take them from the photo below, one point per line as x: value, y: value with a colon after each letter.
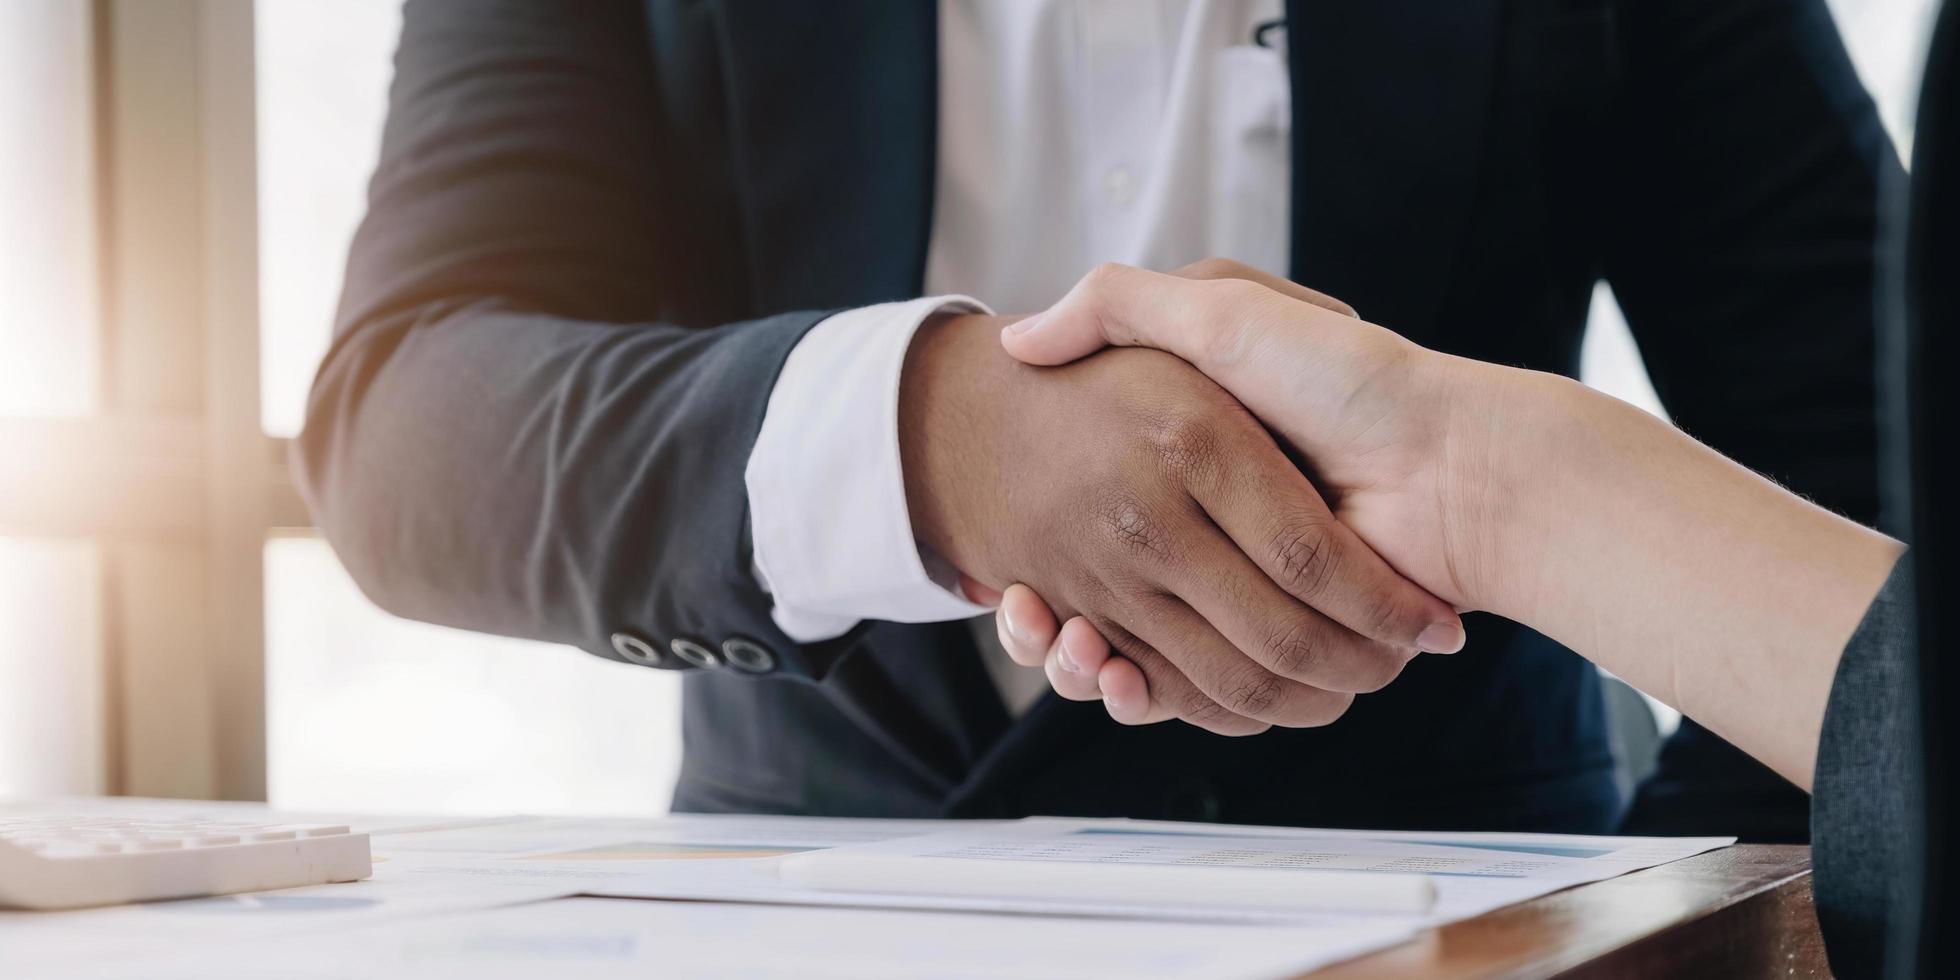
x: 424, y: 867
x: 597, y: 939
x: 1473, y: 873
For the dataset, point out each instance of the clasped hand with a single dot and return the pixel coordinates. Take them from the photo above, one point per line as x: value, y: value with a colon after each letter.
x: 1138, y: 498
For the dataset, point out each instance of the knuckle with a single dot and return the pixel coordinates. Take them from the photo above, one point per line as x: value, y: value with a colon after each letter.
x: 1134, y: 530
x: 1104, y: 277
x: 1198, y: 709
x: 1187, y: 442
x: 1382, y: 615
x: 1238, y: 293
x: 1293, y: 651
x: 1214, y: 267
x: 1302, y: 557
x: 1254, y: 696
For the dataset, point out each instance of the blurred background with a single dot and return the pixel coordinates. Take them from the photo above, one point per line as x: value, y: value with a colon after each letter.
x: 179, y: 185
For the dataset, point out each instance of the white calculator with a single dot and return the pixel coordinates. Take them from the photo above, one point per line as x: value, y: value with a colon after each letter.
x: 48, y: 861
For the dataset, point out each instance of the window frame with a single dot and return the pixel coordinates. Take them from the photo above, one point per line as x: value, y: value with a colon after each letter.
x: 173, y: 476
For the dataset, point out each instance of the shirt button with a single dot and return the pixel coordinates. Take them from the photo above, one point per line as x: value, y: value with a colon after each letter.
x: 1119, y: 186
x: 747, y: 656
x: 695, y: 652
x: 635, y: 649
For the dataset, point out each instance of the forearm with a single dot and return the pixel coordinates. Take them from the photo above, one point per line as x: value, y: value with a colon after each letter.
x: 1684, y: 573
x: 545, y: 477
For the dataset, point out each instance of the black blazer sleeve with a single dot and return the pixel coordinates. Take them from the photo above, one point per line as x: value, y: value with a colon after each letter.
x: 505, y: 436
x: 1865, y: 806
x: 1742, y: 210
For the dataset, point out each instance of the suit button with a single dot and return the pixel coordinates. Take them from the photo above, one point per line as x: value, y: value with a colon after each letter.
x: 636, y: 649
x: 747, y: 656
x: 694, y: 652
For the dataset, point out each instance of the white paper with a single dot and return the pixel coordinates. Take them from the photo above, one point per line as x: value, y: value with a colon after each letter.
x: 1473, y: 873
x: 466, y: 892
x: 38, y: 944
x: 602, y: 939
x: 423, y: 866
x: 576, y: 839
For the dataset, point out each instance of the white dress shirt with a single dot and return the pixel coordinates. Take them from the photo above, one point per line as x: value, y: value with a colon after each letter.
x: 1071, y: 132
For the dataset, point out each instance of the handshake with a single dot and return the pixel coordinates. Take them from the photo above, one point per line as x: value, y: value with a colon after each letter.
x: 1272, y: 511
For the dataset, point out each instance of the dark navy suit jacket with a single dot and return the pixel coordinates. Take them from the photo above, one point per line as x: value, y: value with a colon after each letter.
x: 597, y: 229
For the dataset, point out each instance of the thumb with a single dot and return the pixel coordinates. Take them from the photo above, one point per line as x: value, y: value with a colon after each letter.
x: 1296, y: 365
x: 1122, y: 306
x: 1048, y: 339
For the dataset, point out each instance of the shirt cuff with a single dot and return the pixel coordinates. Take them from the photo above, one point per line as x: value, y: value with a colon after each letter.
x: 832, y: 535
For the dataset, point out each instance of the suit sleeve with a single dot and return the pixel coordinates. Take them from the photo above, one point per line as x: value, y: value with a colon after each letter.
x: 1866, y: 781
x: 1744, y: 185
x: 505, y: 436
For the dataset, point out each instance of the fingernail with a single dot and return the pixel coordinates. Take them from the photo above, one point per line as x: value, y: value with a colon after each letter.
x: 1441, y: 638
x: 1018, y: 632
x: 1067, y: 662
x: 1026, y: 323
x: 1116, y: 708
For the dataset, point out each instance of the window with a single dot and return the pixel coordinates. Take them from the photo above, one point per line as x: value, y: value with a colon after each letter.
x: 447, y: 720
x: 51, y: 667
x: 182, y: 180
x: 370, y: 712
x: 47, y: 210
x: 52, y: 717
x: 322, y: 70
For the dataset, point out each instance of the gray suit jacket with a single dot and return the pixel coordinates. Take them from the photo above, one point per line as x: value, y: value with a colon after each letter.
x: 1863, y: 806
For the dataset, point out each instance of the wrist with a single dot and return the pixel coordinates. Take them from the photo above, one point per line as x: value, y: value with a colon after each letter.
x: 952, y: 391
x: 1506, y: 476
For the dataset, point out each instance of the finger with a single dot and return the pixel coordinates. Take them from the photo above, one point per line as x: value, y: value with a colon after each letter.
x: 1120, y: 684
x: 1229, y: 269
x: 1275, y: 517
x: 1129, y: 307
x: 1176, y: 694
x: 1075, y: 660
x: 1126, y: 695
x: 977, y: 592
x: 1275, y: 630
x: 1026, y: 626
x: 1221, y: 687
x: 1220, y: 326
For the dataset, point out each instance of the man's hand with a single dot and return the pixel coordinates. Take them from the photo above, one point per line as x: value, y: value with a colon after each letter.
x: 1131, y: 490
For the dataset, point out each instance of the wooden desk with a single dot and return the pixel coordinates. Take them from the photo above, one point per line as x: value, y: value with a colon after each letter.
x: 1738, y: 912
